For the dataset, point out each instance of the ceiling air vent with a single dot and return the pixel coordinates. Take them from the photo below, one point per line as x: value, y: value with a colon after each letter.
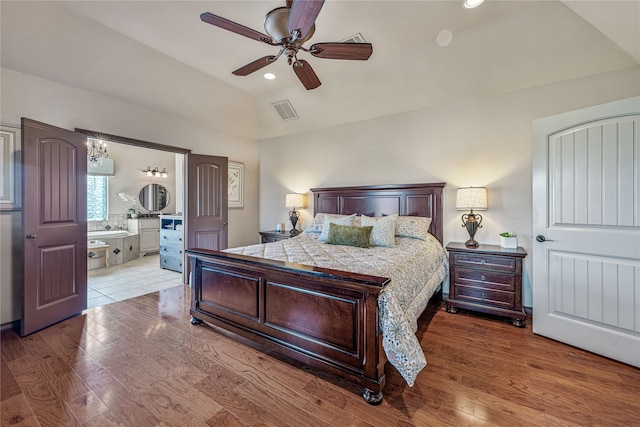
x: 356, y: 38
x: 285, y: 109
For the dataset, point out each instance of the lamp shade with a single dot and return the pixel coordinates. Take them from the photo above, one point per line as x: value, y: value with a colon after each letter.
x: 471, y: 198
x: 295, y: 200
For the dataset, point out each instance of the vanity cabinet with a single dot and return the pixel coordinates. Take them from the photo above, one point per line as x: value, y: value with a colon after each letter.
x: 149, y: 231
x: 171, y: 242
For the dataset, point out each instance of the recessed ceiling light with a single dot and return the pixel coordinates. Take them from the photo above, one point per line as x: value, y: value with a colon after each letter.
x: 444, y: 38
x: 470, y: 4
x: 269, y: 76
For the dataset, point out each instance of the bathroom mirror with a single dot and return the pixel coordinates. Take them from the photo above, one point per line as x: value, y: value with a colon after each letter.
x: 154, y: 197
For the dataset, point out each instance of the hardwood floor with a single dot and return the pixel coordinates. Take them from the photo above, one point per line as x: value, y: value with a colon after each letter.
x: 139, y: 362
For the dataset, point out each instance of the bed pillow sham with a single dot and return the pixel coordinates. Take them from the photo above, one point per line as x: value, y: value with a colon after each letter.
x: 384, y: 229
x: 416, y: 227
x: 318, y: 221
x: 349, y: 235
x: 330, y: 219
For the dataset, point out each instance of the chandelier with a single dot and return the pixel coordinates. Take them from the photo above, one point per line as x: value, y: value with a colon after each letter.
x: 96, y: 151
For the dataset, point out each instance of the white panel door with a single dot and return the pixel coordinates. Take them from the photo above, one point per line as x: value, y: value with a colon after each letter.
x: 586, y: 219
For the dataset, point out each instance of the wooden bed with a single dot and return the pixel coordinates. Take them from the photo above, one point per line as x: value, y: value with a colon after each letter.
x: 324, y: 318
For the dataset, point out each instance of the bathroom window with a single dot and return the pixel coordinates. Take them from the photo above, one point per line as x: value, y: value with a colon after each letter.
x: 96, y: 198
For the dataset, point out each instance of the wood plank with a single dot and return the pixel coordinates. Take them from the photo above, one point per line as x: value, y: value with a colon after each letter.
x: 11, y: 346
x: 49, y: 407
x: 16, y: 411
x: 8, y: 386
x: 132, y: 363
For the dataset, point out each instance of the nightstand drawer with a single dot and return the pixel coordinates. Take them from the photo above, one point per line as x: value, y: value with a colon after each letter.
x: 485, y: 297
x: 485, y: 279
x: 485, y: 261
x: 274, y: 236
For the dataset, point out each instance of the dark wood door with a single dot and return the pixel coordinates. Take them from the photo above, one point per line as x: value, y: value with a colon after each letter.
x: 54, y: 222
x: 206, y: 206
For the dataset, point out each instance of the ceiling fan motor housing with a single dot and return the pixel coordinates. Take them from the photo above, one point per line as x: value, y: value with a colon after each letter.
x: 275, y: 25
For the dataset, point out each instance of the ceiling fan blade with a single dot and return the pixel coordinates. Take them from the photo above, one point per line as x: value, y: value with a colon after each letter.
x: 306, y: 74
x: 254, y: 66
x: 302, y: 16
x: 356, y: 51
x: 234, y: 27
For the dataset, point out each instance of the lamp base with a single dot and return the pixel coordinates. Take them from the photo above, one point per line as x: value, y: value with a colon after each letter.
x: 293, y: 217
x: 471, y: 222
x: 471, y: 243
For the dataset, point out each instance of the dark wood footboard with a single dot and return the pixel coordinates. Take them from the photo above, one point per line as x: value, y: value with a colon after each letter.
x: 324, y: 318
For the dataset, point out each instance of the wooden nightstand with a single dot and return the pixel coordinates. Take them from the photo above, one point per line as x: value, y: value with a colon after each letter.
x: 486, y: 279
x: 274, y: 236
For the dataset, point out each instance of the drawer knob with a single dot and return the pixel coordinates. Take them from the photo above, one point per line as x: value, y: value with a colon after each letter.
x: 483, y: 295
x: 483, y: 278
x: 483, y: 261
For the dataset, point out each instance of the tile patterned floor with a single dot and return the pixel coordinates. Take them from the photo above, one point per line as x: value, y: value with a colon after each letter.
x: 138, y: 277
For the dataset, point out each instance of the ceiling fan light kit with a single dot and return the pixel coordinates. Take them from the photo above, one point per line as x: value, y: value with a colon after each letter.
x: 290, y: 27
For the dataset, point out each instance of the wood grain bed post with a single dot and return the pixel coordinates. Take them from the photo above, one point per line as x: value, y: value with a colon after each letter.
x: 374, y: 352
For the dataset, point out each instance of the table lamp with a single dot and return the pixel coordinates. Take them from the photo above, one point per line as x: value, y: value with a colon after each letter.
x: 293, y: 201
x: 471, y: 198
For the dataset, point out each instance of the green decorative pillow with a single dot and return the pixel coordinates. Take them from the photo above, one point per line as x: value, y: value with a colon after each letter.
x: 349, y: 235
x: 333, y: 219
x: 384, y: 229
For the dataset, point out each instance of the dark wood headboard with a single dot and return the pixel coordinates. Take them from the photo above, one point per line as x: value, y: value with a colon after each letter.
x: 379, y: 200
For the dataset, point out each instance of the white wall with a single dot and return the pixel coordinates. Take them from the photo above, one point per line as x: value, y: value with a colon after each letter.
x: 67, y: 107
x: 484, y: 141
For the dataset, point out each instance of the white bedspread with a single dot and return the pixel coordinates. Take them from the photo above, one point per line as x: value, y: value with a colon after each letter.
x: 415, y: 267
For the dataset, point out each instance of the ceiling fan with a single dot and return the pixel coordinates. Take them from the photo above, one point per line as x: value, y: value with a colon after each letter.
x: 290, y: 27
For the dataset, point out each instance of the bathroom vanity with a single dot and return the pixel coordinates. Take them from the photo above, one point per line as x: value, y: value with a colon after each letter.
x: 149, y: 231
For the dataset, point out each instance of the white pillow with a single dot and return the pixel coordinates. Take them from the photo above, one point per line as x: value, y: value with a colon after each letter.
x: 335, y: 219
x: 316, y: 224
x: 416, y: 227
x: 318, y: 221
x: 384, y: 229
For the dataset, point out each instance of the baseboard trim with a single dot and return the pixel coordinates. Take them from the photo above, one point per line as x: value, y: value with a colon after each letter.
x: 9, y: 325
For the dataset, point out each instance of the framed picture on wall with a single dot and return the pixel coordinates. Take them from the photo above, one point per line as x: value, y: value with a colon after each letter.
x: 10, y: 167
x: 236, y: 185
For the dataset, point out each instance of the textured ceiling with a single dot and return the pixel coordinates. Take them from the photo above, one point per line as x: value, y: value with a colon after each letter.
x: 159, y: 54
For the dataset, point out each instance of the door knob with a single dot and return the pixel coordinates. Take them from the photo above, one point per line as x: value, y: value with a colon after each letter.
x: 540, y: 238
x: 31, y: 236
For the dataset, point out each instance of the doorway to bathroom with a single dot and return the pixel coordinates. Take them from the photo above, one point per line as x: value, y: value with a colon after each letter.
x: 123, y: 221
x: 137, y: 197
x: 54, y: 216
